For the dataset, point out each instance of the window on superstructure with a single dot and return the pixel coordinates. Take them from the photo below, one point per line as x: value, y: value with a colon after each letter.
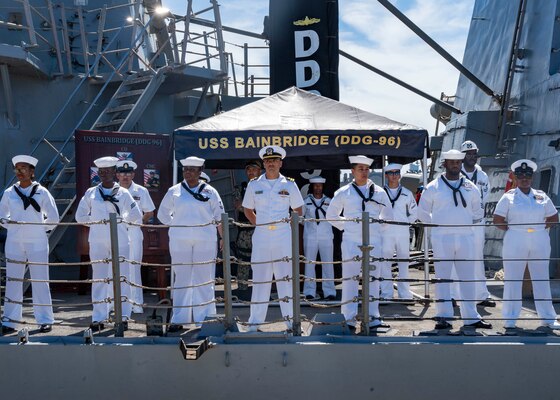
x: 554, y: 66
x: 545, y: 180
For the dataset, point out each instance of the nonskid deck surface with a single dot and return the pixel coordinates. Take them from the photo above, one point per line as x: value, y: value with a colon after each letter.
x: 405, y: 319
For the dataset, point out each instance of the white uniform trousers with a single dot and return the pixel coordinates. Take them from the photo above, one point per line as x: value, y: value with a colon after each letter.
x: 311, y: 247
x: 37, y: 251
x: 452, y: 246
x: 350, y: 286
x: 136, y: 253
x: 187, y: 299
x: 481, y: 288
x: 526, y: 245
x: 270, y: 245
x: 101, y: 291
x: 399, y: 244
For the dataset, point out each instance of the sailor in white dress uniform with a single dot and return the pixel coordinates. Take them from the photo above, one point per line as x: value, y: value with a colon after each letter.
x: 27, y: 201
x: 526, y: 244
x: 125, y: 175
x: 472, y: 171
x: 318, y: 239
x: 452, y: 199
x: 269, y: 198
x: 192, y: 202
x: 97, y: 203
x: 359, y: 196
x: 396, y: 238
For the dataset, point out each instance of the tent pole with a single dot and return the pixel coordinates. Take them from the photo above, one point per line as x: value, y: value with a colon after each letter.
x: 425, y: 234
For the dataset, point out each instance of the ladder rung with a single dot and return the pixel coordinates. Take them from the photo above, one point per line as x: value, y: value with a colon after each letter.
x: 130, y: 93
x: 63, y: 201
x: 69, y: 170
x: 110, y: 123
x: 124, y: 107
x: 140, y: 79
x: 67, y: 185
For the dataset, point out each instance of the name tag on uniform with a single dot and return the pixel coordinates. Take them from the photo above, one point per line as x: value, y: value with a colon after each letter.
x: 258, y: 192
x: 284, y: 193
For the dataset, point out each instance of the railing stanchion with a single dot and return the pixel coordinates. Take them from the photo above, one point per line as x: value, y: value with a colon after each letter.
x: 228, y: 307
x: 296, y: 323
x: 119, y: 328
x: 366, y: 248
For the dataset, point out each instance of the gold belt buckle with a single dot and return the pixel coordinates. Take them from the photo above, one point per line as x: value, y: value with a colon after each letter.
x: 271, y: 227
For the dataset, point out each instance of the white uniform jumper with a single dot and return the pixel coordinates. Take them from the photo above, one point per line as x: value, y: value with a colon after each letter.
x: 96, y: 205
x: 396, y: 239
x: 271, y: 200
x: 142, y: 197
x: 480, y: 179
x: 28, y: 243
x: 318, y: 238
x: 531, y: 245
x: 199, y: 205
x: 373, y: 199
x: 440, y: 204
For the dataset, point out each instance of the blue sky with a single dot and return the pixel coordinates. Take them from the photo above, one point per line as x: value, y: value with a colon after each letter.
x: 371, y: 33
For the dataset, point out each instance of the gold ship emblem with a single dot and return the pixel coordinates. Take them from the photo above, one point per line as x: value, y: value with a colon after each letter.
x: 307, y: 21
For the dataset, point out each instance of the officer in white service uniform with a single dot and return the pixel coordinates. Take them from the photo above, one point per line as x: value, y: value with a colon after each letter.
x: 192, y: 202
x: 526, y: 244
x: 472, y: 171
x: 353, y: 199
x: 452, y: 199
x: 27, y: 201
x: 396, y: 238
x: 97, y: 203
x: 318, y: 238
x: 269, y: 198
x: 125, y: 175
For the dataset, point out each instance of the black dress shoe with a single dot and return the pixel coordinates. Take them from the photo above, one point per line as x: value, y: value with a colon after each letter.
x: 487, y: 303
x: 97, y: 326
x: 309, y: 297
x: 480, y: 324
x: 45, y: 328
x: 174, y: 328
x: 6, y: 330
x: 330, y: 297
x: 443, y: 324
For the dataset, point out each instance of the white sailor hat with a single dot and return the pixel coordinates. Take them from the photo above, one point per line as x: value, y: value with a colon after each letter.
x: 452, y: 155
x: 317, y: 179
x: 192, y: 162
x: 106, y: 162
x: 524, y: 166
x: 126, y: 166
x: 25, y: 159
x: 468, y: 145
x: 268, y: 152
x: 360, y: 160
x: 392, y: 167
x: 204, y: 177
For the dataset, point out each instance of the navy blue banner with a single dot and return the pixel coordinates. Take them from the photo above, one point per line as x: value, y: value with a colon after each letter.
x: 303, y: 37
x: 305, y: 149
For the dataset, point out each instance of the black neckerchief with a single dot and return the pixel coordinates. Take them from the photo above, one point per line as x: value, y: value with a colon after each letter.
x: 319, y: 208
x: 455, y: 191
x: 111, y: 197
x: 29, y: 200
x: 393, y: 201
x: 196, y: 194
x: 474, y: 176
x: 364, y: 198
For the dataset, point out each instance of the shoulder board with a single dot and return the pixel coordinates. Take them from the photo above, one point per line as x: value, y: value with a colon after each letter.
x: 511, y: 191
x: 539, y: 191
x: 290, y: 179
x: 255, y: 178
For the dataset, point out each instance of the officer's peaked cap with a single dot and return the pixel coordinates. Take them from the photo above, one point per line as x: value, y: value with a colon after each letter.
x: 269, y: 152
x: 126, y: 166
x: 524, y: 166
